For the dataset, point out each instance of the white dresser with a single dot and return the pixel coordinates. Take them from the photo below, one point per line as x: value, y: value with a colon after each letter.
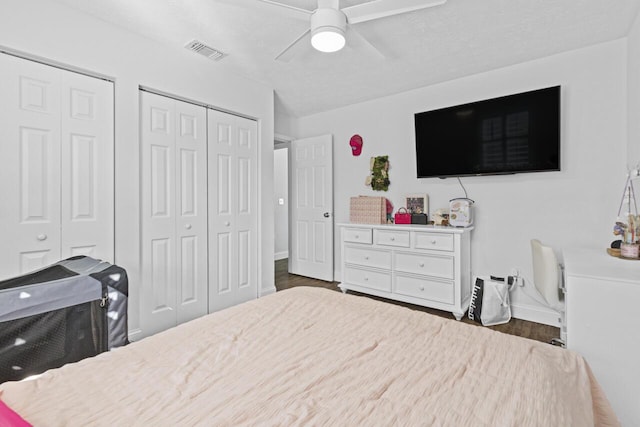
x: 602, y: 299
x: 419, y: 264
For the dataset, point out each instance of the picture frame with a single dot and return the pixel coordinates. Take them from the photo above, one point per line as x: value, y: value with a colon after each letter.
x: 417, y: 203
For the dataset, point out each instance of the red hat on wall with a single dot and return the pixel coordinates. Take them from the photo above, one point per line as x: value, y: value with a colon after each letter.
x: 356, y: 145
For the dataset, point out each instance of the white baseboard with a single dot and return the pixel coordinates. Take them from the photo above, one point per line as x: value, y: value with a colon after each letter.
x: 135, y: 334
x: 535, y: 314
x: 268, y: 291
x: 281, y: 255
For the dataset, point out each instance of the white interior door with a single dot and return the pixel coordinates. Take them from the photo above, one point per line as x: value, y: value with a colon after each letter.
x: 191, y: 210
x: 233, y: 209
x: 311, y: 226
x: 174, y: 210
x: 87, y: 167
x: 56, y: 179
x: 158, y: 294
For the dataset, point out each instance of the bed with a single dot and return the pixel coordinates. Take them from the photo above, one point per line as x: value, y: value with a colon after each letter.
x: 310, y: 356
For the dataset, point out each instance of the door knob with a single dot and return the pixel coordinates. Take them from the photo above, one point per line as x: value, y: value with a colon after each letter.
x: 227, y: 223
x: 188, y: 226
x: 42, y: 237
x: 326, y: 214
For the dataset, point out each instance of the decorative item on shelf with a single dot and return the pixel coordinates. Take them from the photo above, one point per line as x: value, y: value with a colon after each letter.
x: 356, y: 144
x: 379, y: 178
x: 403, y: 217
x: 389, y: 211
x: 368, y: 210
x: 417, y: 203
x: 627, y: 224
x: 441, y: 217
x: 461, y: 212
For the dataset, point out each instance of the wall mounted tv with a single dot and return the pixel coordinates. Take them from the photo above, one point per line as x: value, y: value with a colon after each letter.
x: 511, y: 134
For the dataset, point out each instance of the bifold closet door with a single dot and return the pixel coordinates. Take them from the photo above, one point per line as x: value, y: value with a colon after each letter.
x: 56, y: 179
x: 174, y: 212
x: 233, y: 214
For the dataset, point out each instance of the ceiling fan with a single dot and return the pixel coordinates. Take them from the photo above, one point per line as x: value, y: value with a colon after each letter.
x: 329, y: 24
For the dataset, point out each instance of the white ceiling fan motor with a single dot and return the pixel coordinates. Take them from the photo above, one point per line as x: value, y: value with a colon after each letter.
x: 328, y: 26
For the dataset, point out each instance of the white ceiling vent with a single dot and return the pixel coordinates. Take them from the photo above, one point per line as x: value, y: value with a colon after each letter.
x: 204, y: 50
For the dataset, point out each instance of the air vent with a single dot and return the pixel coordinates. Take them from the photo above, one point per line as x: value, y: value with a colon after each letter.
x: 204, y: 50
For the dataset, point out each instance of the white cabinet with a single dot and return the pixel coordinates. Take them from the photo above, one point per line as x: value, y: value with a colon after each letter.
x: 602, y: 299
x: 174, y: 212
x: 418, y: 264
x: 56, y: 178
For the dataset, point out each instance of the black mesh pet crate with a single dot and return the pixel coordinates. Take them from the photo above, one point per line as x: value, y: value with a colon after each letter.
x: 73, y: 309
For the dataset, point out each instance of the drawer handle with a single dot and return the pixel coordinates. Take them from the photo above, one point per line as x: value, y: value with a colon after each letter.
x: 366, y: 258
x: 393, y: 238
x: 41, y: 237
x: 366, y: 279
x: 357, y: 236
x: 433, y: 242
x: 421, y: 288
x: 421, y: 264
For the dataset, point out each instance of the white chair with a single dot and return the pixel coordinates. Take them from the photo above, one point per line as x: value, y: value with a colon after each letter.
x: 548, y: 279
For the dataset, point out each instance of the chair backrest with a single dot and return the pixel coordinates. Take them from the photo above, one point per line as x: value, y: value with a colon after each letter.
x: 546, y: 273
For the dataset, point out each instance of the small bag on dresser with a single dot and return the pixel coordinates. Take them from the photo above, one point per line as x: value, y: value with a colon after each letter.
x: 402, y: 217
x: 418, y: 218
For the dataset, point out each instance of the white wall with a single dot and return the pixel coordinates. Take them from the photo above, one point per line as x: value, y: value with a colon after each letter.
x: 281, y: 191
x: 574, y: 207
x: 57, y: 33
x: 633, y: 73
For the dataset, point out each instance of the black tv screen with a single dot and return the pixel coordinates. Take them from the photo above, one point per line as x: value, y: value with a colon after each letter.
x: 510, y: 134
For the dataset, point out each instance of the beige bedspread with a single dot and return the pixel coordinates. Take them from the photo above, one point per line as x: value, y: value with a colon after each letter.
x: 310, y: 356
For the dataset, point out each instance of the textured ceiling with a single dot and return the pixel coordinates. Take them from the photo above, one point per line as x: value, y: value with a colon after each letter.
x: 459, y: 38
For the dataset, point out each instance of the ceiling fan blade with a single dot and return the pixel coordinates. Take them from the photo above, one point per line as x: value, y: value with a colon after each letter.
x: 292, y: 11
x: 382, y: 8
x: 302, y: 42
x: 358, y: 42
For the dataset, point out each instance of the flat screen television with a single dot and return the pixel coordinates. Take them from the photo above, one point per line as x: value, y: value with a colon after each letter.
x: 506, y: 135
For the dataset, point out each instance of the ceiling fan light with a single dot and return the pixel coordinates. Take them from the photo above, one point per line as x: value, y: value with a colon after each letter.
x: 328, y: 39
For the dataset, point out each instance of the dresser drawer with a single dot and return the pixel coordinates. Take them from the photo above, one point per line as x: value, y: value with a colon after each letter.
x: 431, y: 265
x: 357, y: 235
x: 436, y: 241
x: 392, y: 238
x: 368, y: 278
x: 426, y: 289
x: 367, y: 257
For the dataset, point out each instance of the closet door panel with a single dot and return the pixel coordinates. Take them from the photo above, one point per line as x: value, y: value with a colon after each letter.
x: 87, y: 168
x: 30, y: 176
x: 246, y: 208
x: 233, y: 204
x: 191, y: 210
x: 159, y: 276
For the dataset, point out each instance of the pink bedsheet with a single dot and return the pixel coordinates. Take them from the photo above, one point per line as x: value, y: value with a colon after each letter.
x: 310, y: 356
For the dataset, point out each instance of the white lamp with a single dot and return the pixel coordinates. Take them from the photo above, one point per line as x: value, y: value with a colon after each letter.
x: 328, y: 39
x: 327, y: 29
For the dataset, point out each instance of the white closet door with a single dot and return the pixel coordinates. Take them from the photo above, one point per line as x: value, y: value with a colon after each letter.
x: 158, y: 295
x: 233, y: 216
x: 191, y: 210
x: 87, y: 167
x: 30, y: 173
x: 174, y: 223
x: 38, y: 175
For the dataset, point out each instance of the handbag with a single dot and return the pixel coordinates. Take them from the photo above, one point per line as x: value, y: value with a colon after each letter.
x: 418, y: 218
x: 402, y: 217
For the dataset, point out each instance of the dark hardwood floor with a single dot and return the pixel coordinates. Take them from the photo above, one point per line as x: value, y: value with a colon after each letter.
x: 522, y: 328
